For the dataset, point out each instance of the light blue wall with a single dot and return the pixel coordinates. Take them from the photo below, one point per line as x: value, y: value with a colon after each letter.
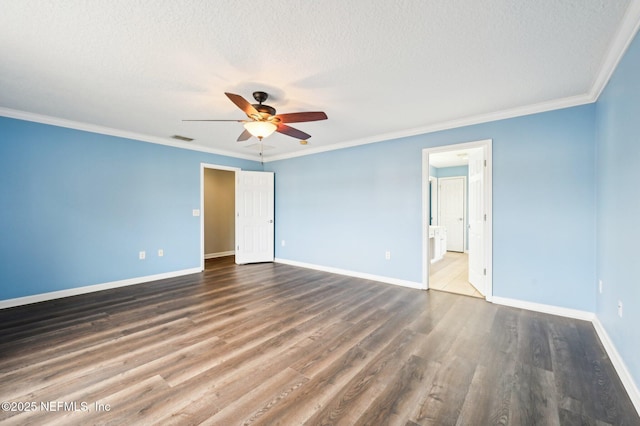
x: 344, y: 208
x: 618, y: 204
x: 456, y: 171
x: 77, y: 207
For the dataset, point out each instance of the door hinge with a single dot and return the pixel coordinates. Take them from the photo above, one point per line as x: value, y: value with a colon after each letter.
x: 238, y: 248
x: 485, y: 163
x: 485, y: 217
x: 485, y: 271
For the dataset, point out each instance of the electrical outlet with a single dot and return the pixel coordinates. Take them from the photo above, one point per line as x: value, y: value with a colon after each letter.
x: 196, y: 212
x: 600, y: 286
x: 620, y: 308
x: 160, y: 252
x: 387, y: 255
x: 142, y: 255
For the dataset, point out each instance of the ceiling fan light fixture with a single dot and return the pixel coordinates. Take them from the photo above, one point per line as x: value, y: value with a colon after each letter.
x: 260, y: 129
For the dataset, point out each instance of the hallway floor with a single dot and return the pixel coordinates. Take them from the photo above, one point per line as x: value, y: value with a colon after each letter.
x: 451, y: 274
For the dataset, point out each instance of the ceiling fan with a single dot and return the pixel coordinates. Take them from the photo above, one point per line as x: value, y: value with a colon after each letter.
x: 263, y: 120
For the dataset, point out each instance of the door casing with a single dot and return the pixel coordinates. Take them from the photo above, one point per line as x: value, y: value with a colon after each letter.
x: 204, y: 166
x: 486, y: 145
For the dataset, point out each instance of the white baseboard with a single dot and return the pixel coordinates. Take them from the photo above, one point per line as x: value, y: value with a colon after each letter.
x: 546, y: 309
x: 617, y: 361
x: 383, y: 279
x: 220, y: 254
x: 9, y: 303
x: 612, y: 352
x: 618, y: 364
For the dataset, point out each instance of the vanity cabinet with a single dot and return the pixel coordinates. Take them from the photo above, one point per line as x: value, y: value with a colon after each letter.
x: 437, y: 242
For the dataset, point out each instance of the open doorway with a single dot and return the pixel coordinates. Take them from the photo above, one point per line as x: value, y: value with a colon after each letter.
x: 217, y: 221
x: 457, y: 243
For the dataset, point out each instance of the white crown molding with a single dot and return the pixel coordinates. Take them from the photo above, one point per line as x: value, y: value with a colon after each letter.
x: 348, y: 273
x: 19, y: 301
x: 447, y: 125
x: 626, y: 32
x: 76, y: 125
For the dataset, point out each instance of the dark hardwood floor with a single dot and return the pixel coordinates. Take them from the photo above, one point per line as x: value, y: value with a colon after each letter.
x: 275, y: 344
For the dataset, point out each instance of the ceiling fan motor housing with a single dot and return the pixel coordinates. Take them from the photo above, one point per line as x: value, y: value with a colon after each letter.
x: 263, y: 109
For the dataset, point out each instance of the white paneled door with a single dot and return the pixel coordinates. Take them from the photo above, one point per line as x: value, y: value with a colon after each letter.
x: 254, y: 217
x: 476, y: 220
x: 452, y: 194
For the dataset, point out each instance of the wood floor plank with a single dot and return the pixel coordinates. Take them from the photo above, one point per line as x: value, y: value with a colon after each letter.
x: 534, y: 398
x: 404, y: 390
x: 611, y: 403
x: 447, y: 393
x: 495, y: 372
x: 534, y: 341
x: 270, y: 344
x: 356, y: 396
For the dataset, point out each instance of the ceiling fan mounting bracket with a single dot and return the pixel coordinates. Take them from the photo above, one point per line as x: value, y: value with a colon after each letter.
x: 260, y: 96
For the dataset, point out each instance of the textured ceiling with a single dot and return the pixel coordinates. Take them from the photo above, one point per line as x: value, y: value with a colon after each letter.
x: 377, y: 68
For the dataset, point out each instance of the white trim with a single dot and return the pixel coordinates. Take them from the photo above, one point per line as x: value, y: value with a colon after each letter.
x: 202, y: 167
x: 629, y: 26
x: 446, y: 125
x: 487, y: 145
x: 618, y: 363
x: 76, y: 125
x: 220, y: 254
x: 545, y: 309
x: 616, y: 359
x: 626, y: 32
x: 8, y: 303
x: 355, y: 274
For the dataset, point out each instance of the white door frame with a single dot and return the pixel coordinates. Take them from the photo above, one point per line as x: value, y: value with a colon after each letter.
x: 486, y: 144
x: 202, y: 167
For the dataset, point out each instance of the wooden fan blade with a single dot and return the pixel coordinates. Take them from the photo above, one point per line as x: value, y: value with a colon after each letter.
x: 290, y: 131
x: 299, y: 117
x: 244, y: 136
x: 243, y: 104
